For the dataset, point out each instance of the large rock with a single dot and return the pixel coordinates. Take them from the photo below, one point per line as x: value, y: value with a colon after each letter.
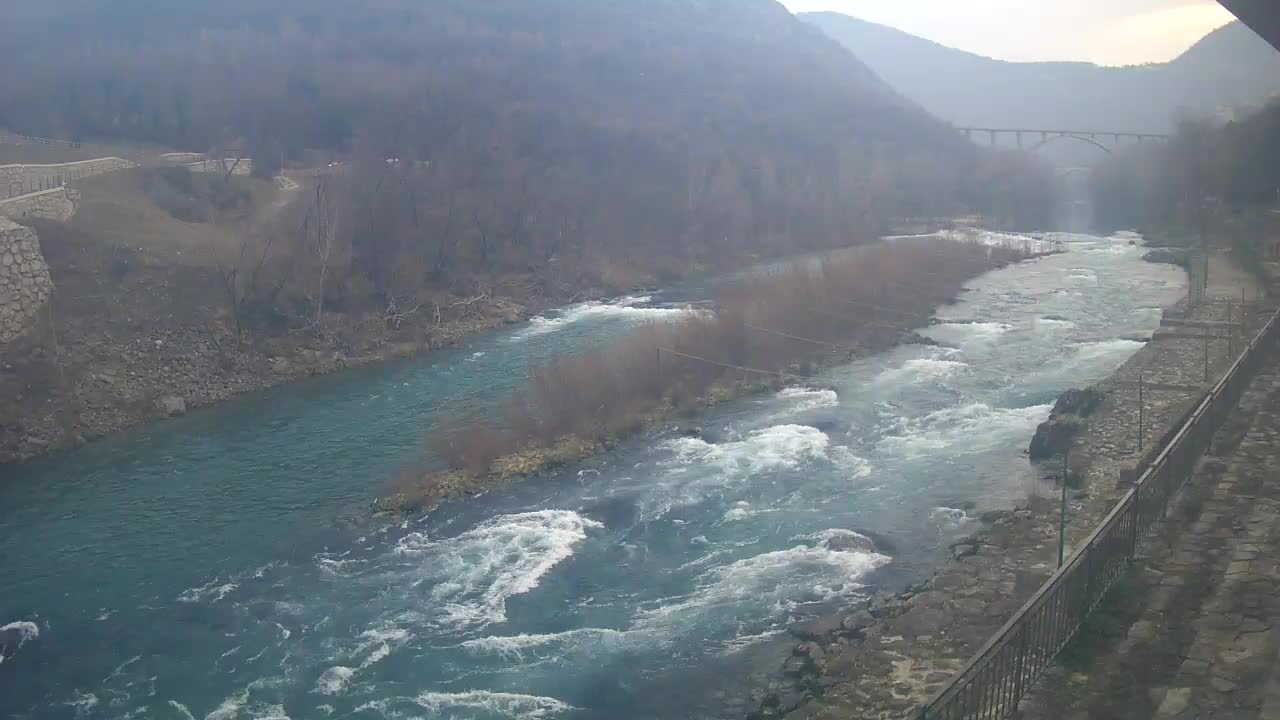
x: 858, y: 622
x: 1080, y: 403
x: 1170, y: 256
x: 1053, y: 437
x: 820, y: 629
x: 172, y: 405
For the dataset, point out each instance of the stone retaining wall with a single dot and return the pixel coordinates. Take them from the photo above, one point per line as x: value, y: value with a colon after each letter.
x: 17, y: 180
x: 58, y: 204
x: 25, y: 284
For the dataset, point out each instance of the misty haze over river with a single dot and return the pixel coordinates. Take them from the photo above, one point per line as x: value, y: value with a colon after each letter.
x: 194, y: 568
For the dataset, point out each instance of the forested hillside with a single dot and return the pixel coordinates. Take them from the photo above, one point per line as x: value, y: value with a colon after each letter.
x: 529, y: 131
x: 1208, y: 174
x: 1230, y: 67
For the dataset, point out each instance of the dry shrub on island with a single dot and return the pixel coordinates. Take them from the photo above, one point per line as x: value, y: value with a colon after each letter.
x: 773, y: 325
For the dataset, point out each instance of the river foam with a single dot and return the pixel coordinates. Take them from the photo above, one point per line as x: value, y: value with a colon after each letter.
x: 922, y: 370
x: 972, y: 428
x: 16, y: 634
x: 627, y: 308
x: 335, y: 680
x: 808, y: 399
x: 697, y: 469
x: 507, y: 705
x: 539, y: 646
x: 773, y: 448
x: 969, y: 336
x: 473, y: 705
x: 476, y: 572
x: 822, y: 566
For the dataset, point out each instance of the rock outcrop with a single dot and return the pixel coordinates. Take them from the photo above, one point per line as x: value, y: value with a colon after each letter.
x: 1054, y: 435
x: 171, y: 406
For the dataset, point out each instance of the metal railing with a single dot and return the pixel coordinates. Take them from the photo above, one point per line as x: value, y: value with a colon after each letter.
x: 1000, y: 674
x: 20, y: 180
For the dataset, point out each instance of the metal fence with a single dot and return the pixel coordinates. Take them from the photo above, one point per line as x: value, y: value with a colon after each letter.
x: 27, y: 178
x: 999, y: 675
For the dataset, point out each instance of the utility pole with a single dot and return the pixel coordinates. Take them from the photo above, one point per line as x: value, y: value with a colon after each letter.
x: 1206, y: 355
x: 1231, y: 332
x: 1142, y: 409
x: 1062, y: 516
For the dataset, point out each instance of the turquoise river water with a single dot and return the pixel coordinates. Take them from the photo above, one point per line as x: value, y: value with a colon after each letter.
x: 206, y: 566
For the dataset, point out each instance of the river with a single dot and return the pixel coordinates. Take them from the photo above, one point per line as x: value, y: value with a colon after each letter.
x: 198, y: 567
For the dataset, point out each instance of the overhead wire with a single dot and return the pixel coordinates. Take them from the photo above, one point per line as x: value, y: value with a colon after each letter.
x: 731, y: 366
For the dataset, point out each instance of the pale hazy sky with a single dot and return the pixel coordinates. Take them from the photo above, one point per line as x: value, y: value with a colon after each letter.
x: 1109, y: 32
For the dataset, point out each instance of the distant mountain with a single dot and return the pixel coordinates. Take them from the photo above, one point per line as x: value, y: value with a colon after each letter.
x: 1230, y: 68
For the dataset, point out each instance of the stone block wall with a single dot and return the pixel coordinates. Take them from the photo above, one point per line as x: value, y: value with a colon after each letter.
x: 18, y: 180
x: 25, y: 284
x: 58, y: 204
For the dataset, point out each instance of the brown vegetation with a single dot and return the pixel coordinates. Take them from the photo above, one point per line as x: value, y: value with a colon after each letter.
x: 771, y: 327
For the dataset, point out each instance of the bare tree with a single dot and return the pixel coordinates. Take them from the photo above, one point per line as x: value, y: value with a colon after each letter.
x: 320, y: 229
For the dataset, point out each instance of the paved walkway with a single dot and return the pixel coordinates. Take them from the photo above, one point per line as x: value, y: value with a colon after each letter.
x: 1195, y: 632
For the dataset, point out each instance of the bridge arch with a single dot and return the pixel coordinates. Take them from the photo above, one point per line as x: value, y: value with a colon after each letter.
x: 1081, y: 138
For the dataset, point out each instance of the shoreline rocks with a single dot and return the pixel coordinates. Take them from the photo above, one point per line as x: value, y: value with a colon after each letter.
x: 1054, y: 436
x: 173, y: 369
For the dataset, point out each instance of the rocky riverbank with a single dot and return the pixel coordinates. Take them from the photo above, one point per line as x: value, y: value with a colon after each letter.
x: 885, y: 657
x: 91, y: 378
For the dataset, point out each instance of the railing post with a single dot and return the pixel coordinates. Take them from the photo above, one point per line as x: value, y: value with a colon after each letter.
x: 1019, y: 677
x: 1141, y: 414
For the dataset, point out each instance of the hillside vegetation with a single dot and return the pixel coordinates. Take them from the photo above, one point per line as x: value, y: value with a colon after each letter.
x: 1231, y: 67
x: 652, y: 137
x: 1224, y: 179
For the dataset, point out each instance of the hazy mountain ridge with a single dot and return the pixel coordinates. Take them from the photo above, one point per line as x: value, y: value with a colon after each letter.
x: 1230, y: 67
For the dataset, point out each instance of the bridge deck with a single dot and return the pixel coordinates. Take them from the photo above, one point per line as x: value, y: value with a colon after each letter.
x: 1196, y: 632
